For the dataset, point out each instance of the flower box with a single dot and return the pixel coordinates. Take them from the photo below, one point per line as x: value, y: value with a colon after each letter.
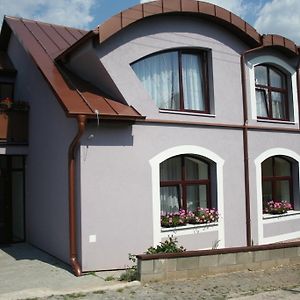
x: 182, y: 218
x: 277, y: 207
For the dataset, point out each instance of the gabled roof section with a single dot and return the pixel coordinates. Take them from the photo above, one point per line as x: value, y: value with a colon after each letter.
x: 44, y: 42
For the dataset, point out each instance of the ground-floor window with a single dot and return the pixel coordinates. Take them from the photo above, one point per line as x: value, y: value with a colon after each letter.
x: 277, y: 179
x: 187, y: 182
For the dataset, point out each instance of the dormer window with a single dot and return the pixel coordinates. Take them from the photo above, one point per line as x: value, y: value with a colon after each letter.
x: 176, y: 80
x: 271, y: 93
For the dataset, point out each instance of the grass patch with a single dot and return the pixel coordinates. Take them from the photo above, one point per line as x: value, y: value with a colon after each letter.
x: 109, y: 278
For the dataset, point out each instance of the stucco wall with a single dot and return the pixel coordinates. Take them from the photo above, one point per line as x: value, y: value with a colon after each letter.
x: 50, y: 134
x: 263, y: 145
x: 158, y: 33
x: 116, y: 188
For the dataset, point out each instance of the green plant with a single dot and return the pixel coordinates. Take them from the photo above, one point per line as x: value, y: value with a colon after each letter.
x: 109, y: 278
x: 168, y: 246
x: 277, y: 207
x: 182, y: 217
x: 130, y: 273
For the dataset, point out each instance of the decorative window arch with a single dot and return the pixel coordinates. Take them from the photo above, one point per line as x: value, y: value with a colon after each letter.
x: 283, y: 85
x: 258, y: 219
x: 187, y: 150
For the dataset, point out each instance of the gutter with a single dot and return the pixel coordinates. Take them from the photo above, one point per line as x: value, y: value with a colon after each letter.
x: 81, y: 120
x: 246, y: 146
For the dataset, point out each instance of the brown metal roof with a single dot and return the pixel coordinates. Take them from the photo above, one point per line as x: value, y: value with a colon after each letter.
x: 206, y: 10
x: 44, y: 42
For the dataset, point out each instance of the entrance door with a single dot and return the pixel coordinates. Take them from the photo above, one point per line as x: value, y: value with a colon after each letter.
x: 12, y: 227
x: 5, y: 203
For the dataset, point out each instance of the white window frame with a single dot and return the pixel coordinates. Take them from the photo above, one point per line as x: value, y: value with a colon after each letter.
x: 261, y: 218
x: 158, y: 232
x: 272, y: 60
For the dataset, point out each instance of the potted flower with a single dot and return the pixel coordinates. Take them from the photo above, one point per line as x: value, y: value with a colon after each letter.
x: 173, y: 219
x: 277, y: 207
x: 6, y: 103
x: 203, y: 215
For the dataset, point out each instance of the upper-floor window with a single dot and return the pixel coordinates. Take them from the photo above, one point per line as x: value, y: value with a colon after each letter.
x: 176, y: 80
x: 271, y: 93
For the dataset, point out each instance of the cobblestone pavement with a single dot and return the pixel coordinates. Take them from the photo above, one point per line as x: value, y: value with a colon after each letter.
x: 277, y: 283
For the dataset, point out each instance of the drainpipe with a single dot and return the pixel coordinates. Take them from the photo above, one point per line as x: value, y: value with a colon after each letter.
x: 246, y: 145
x: 81, y: 119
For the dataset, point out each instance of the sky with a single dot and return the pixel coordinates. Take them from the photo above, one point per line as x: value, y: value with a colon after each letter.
x: 267, y: 16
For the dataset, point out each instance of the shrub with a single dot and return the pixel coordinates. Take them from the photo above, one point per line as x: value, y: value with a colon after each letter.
x: 168, y: 246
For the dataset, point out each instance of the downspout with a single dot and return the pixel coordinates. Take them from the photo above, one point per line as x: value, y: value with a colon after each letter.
x: 246, y: 146
x: 81, y: 120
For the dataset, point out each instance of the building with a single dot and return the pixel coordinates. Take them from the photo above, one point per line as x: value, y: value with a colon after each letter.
x: 168, y: 105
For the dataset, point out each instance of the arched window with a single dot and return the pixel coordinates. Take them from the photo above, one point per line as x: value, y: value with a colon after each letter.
x: 176, y: 80
x: 277, y: 180
x: 271, y: 93
x: 185, y: 183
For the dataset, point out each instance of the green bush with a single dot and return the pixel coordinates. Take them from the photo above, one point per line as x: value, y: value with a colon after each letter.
x: 168, y: 246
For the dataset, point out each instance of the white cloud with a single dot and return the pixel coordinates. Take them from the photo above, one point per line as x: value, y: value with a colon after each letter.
x: 76, y: 13
x: 280, y: 17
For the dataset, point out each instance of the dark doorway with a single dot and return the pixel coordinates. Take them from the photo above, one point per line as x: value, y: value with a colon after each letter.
x: 12, y: 217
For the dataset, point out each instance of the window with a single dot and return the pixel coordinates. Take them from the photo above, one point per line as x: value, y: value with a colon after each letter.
x: 271, y: 93
x: 176, y: 80
x: 185, y: 184
x: 277, y: 180
x: 6, y: 90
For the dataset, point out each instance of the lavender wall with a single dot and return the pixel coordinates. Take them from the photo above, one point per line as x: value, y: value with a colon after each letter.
x: 116, y: 188
x: 50, y: 134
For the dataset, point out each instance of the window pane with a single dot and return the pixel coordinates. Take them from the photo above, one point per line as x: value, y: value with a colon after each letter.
x: 195, y: 169
x: 261, y: 75
x: 278, y: 105
x: 267, y: 169
x: 267, y: 191
x: 169, y: 199
x: 282, y: 191
x: 160, y: 77
x: 193, y: 82
x: 276, y: 79
x: 261, y: 103
x: 282, y: 167
x: 171, y: 169
x: 17, y: 162
x: 6, y: 90
x: 196, y: 197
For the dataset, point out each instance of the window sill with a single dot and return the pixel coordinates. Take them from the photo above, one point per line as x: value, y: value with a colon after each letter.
x: 165, y: 111
x: 190, y: 226
x: 275, y: 121
x: 295, y: 214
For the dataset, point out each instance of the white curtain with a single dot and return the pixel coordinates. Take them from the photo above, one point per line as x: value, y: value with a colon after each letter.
x: 159, y: 75
x: 261, y: 103
x: 193, y: 90
x: 277, y: 106
x: 170, y: 195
